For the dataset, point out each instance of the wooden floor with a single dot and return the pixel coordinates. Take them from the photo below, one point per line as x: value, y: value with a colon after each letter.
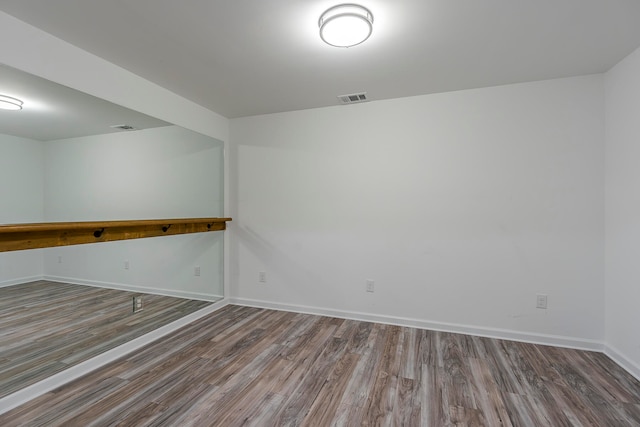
x: 46, y: 327
x: 246, y: 366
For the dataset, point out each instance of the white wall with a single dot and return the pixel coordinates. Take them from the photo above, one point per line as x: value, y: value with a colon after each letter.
x: 623, y: 212
x: 21, y: 180
x: 461, y: 206
x: 166, y: 172
x: 21, y: 200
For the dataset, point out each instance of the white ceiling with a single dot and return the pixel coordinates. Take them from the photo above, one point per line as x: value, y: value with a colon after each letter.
x: 247, y: 57
x: 52, y: 111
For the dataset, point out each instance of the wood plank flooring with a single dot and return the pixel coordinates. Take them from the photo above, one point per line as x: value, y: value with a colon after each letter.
x: 248, y: 366
x: 46, y: 327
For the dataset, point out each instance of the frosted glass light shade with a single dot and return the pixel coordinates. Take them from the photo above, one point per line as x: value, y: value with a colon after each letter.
x: 10, y: 103
x: 345, y: 25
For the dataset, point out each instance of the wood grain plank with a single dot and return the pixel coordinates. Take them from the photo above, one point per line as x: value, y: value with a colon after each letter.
x: 381, y: 399
x: 327, y: 402
x: 487, y: 395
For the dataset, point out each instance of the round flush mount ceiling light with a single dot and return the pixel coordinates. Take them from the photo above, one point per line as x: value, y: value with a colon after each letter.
x: 10, y: 103
x: 345, y: 25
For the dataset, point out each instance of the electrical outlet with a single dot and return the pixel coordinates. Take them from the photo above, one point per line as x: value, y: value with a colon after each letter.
x: 126, y: 265
x: 262, y: 277
x: 137, y: 303
x: 59, y: 259
x: 541, y: 301
x: 370, y: 285
x: 196, y: 270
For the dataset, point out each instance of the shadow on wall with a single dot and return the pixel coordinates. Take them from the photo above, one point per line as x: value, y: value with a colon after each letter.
x: 290, y: 271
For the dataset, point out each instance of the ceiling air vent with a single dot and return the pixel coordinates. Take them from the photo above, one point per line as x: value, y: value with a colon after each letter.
x: 353, y: 98
x: 123, y: 127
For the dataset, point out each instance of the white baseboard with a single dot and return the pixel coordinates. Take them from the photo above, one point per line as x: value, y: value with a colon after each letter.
x: 26, y: 394
x: 544, y: 339
x: 623, y: 361
x: 19, y: 281
x: 132, y: 288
